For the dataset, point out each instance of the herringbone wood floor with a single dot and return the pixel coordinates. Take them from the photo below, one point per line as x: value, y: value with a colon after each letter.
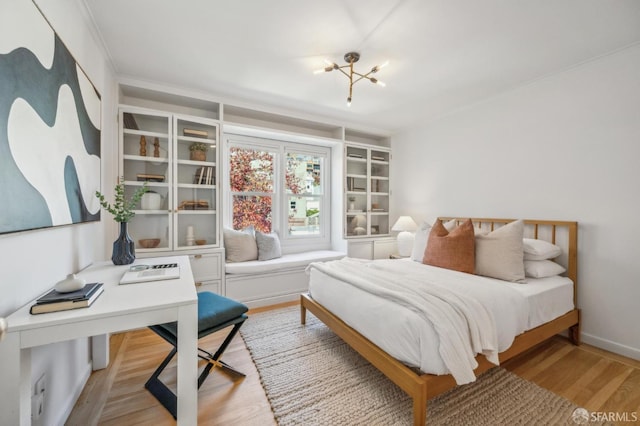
x: 592, y: 378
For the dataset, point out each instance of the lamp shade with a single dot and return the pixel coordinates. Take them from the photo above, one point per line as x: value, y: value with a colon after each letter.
x: 406, y: 226
x: 405, y: 223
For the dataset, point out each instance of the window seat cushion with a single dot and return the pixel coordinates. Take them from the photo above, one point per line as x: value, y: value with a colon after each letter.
x: 286, y: 262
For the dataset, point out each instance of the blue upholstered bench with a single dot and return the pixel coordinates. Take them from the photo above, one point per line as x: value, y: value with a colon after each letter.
x: 214, y: 313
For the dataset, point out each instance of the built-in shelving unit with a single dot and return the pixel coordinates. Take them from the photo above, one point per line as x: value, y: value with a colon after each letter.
x: 367, y: 190
x: 363, y: 177
x: 180, y: 209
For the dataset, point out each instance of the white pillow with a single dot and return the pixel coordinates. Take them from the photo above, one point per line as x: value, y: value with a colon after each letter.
x: 499, y: 253
x: 421, y: 238
x: 542, y: 268
x: 420, y: 242
x: 540, y: 249
x: 268, y: 246
x: 240, y: 246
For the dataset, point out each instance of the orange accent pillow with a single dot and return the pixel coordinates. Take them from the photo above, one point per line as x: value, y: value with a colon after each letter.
x: 451, y: 250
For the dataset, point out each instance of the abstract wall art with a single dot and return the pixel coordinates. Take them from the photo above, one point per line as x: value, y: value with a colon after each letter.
x: 49, y: 126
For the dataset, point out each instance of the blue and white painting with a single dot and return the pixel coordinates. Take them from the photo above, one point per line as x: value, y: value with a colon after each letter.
x: 49, y: 126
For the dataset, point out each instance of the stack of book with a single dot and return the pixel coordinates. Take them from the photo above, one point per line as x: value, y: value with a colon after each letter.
x: 55, y: 301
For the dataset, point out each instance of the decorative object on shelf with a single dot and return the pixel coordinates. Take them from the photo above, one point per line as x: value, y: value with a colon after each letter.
x: 194, y: 205
x: 69, y: 284
x: 375, y: 229
x: 190, y: 238
x: 146, y: 177
x: 201, y: 242
x: 143, y: 146
x: 124, y: 251
x: 377, y: 158
x: 156, y: 147
x: 151, y: 200
x: 359, y: 223
x: 352, y: 203
x: 406, y: 225
x: 195, y: 133
x: 149, y: 242
x: 351, y: 58
x: 198, y: 151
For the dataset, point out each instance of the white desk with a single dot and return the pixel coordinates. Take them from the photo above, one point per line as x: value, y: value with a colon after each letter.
x: 119, y: 308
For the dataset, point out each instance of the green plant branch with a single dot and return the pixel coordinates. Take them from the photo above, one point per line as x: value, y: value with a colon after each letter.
x: 121, y: 209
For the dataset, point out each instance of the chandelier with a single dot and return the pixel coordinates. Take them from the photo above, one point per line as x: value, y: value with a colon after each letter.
x: 353, y: 76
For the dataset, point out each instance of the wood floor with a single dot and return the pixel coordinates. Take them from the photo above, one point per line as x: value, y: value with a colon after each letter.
x: 592, y: 378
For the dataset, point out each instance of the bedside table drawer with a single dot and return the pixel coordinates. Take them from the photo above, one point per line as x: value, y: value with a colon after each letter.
x: 206, y: 267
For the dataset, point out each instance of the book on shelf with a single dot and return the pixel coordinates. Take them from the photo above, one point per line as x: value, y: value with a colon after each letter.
x: 129, y: 121
x: 377, y: 158
x: 195, y: 133
x: 204, y: 176
x: 354, y: 155
x: 350, y: 183
x: 54, y: 301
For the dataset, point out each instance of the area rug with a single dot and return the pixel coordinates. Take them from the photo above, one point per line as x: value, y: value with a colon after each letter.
x: 311, y: 377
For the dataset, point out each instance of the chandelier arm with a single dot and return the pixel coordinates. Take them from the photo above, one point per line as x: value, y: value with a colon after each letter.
x: 343, y: 72
x: 357, y: 80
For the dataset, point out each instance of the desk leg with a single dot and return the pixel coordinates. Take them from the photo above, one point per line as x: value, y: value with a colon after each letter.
x: 15, y: 386
x: 188, y: 365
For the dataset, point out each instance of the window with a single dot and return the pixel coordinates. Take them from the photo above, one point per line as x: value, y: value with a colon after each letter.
x: 251, y: 179
x: 279, y: 187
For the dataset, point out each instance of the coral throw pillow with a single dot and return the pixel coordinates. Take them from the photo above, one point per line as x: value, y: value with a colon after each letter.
x: 451, y: 250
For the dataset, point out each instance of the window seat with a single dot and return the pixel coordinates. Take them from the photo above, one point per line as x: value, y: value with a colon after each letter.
x: 266, y: 282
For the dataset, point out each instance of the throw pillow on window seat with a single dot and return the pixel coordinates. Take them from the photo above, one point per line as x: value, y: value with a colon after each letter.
x: 240, y: 246
x: 268, y: 246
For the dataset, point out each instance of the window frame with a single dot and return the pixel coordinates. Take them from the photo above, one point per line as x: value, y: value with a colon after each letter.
x: 280, y: 196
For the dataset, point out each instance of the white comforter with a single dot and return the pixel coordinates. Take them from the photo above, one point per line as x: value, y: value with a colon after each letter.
x: 462, y: 309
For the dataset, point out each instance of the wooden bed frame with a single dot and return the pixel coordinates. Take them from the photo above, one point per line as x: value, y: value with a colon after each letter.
x: 422, y: 387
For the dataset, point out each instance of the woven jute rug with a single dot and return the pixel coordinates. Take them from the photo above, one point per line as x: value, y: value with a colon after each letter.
x: 312, y: 377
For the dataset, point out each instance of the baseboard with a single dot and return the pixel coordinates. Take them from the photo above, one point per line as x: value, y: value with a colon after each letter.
x: 610, y: 346
x: 272, y: 300
x: 71, y: 400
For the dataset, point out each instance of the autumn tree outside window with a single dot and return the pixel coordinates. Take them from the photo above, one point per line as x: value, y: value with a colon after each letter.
x: 279, y: 187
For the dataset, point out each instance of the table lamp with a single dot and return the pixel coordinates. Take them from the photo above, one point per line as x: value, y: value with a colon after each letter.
x: 3, y: 327
x: 406, y: 226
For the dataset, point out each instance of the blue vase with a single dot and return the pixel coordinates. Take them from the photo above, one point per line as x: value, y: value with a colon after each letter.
x: 124, y: 249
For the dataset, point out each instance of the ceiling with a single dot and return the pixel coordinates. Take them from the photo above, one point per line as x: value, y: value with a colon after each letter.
x: 443, y: 54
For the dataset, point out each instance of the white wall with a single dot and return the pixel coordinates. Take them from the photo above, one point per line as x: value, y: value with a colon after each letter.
x: 566, y: 147
x: 33, y: 261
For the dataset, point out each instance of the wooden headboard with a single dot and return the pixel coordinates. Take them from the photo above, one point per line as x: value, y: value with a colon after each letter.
x: 561, y: 233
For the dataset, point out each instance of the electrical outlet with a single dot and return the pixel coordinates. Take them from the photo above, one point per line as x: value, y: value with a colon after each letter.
x: 37, y: 400
x: 41, y: 385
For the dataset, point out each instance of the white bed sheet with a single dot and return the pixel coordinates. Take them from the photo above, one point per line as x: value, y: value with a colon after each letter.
x: 405, y: 336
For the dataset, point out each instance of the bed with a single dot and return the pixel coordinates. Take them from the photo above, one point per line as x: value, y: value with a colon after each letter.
x: 550, y: 305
